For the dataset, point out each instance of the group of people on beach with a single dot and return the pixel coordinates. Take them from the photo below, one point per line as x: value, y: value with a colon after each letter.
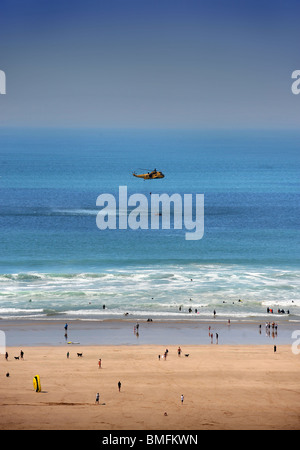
x: 268, y: 327
x: 211, y: 335
x: 279, y: 311
x: 16, y: 357
x: 97, y: 401
x: 164, y: 355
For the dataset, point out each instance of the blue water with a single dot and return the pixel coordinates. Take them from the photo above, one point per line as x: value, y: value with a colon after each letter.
x: 55, y: 262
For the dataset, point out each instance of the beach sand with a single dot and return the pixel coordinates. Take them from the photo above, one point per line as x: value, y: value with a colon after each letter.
x: 224, y: 387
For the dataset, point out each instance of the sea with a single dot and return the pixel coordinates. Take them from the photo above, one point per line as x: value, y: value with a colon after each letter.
x: 56, y: 264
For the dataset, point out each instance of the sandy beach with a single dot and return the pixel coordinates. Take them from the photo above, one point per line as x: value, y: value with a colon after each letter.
x: 224, y: 387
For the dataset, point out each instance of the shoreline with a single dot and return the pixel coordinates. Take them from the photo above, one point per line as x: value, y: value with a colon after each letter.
x: 124, y: 332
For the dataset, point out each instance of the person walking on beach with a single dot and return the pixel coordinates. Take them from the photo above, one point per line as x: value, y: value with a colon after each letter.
x: 21, y: 354
x: 66, y: 331
x: 99, y: 364
x: 182, y: 398
x: 119, y: 385
x: 97, y: 398
x: 179, y: 351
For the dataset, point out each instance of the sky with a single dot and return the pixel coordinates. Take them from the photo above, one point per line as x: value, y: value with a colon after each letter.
x: 150, y: 63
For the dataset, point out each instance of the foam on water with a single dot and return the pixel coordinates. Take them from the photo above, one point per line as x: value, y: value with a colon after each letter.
x: 193, y: 291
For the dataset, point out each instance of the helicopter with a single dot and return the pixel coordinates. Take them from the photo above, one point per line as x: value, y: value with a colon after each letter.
x: 154, y: 174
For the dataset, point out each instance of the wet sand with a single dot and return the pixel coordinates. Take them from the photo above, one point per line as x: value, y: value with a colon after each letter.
x: 51, y: 332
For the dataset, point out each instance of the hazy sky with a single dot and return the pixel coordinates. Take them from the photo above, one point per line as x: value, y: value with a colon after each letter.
x: 150, y: 63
